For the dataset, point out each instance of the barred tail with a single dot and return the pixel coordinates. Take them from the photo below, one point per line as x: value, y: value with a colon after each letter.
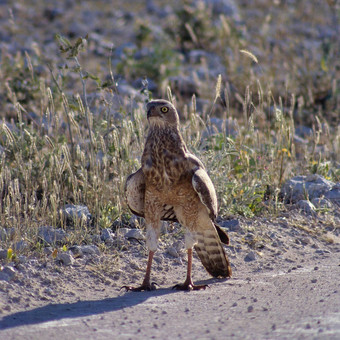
x: 211, y: 253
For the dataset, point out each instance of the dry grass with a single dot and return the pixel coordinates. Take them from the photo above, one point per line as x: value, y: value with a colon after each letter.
x: 67, y: 136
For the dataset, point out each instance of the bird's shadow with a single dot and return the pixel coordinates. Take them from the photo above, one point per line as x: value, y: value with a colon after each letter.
x: 54, y: 312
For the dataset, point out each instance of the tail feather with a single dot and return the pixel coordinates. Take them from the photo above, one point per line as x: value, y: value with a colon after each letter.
x: 211, y: 253
x: 222, y: 234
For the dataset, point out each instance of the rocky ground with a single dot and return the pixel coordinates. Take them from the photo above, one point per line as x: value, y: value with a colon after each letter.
x: 117, y: 256
x: 302, y: 237
x: 287, y: 255
x: 283, y: 243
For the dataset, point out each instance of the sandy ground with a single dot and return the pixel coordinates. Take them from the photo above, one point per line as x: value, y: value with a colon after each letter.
x: 285, y: 285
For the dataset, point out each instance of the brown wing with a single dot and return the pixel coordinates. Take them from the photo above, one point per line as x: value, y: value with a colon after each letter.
x: 207, y: 194
x: 206, y: 191
x: 135, y: 194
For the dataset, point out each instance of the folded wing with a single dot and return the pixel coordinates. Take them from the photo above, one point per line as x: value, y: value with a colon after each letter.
x: 135, y: 194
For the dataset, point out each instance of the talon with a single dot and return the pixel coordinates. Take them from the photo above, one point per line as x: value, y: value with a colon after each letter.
x: 145, y: 287
x: 189, y: 287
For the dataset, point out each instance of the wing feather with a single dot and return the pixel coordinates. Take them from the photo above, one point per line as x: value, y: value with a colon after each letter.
x: 204, y: 187
x: 135, y: 196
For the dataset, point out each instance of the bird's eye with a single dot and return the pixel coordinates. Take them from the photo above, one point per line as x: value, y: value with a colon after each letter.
x: 164, y: 109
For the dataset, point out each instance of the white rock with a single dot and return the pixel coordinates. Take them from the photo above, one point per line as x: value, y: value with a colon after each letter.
x: 66, y: 258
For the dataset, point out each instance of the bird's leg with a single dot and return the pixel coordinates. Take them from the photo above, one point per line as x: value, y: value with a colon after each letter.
x: 146, y: 285
x: 188, y: 284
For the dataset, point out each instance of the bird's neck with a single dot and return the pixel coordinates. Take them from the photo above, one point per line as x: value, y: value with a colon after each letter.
x: 168, y: 135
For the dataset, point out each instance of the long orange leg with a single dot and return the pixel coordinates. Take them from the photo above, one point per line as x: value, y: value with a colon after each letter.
x: 188, y: 284
x: 146, y: 285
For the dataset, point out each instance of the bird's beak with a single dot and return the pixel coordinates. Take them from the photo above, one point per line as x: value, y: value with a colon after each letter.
x: 151, y: 111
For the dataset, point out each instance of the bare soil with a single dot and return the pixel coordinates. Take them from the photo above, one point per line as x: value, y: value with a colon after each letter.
x: 285, y: 284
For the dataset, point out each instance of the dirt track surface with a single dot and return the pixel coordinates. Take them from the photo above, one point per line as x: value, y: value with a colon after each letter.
x: 300, y: 302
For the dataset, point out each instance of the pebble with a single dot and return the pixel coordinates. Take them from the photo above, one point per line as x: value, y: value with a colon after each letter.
x: 72, y: 213
x: 3, y: 254
x: 172, y: 251
x: 3, y: 234
x: 90, y: 250
x: 232, y: 225
x: 314, y: 186
x: 48, y: 251
x: 65, y: 258
x: 107, y: 236
x: 321, y: 203
x: 306, y: 206
x: 134, y: 234
x: 251, y: 256
x: 52, y: 236
x: 20, y: 246
x: 7, y: 273
x: 76, y: 251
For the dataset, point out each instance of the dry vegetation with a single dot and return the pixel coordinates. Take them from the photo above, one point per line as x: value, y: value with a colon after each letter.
x: 69, y: 134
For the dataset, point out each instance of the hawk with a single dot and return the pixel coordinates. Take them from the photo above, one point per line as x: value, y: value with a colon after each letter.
x: 173, y: 185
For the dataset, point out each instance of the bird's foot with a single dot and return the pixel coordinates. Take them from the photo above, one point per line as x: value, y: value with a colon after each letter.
x: 144, y: 287
x: 189, y: 286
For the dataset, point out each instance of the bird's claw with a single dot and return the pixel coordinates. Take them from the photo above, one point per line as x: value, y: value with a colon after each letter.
x: 189, y: 287
x: 144, y: 287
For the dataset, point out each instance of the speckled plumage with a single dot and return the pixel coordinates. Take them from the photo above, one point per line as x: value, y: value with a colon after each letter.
x: 173, y: 184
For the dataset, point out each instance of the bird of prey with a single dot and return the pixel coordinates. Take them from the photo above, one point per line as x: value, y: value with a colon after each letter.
x: 173, y: 185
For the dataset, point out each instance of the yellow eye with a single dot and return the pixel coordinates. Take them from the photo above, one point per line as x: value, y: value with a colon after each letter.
x: 164, y: 109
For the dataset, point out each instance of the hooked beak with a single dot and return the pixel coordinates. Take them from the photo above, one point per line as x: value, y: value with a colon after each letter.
x: 151, y: 111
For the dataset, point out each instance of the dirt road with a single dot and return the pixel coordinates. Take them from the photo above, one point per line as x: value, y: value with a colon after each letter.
x: 302, y: 302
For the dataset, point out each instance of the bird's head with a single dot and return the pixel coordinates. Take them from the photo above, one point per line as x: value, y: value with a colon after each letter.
x: 162, y: 113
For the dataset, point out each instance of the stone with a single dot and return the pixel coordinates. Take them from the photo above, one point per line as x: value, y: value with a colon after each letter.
x: 7, y: 234
x: 90, y: 250
x: 3, y: 234
x: 184, y: 84
x: 118, y: 224
x: 300, y: 187
x: 4, y: 276
x: 334, y: 194
x: 48, y: 251
x: 7, y: 273
x: 52, y: 236
x: 306, y: 206
x: 96, y: 239
x: 20, y: 246
x: 172, y: 251
x: 218, y: 125
x: 3, y: 254
x: 122, y: 231
x: 226, y: 7
x: 303, y: 131
x: 73, y: 213
x: 251, y: 256
x: 76, y: 251
x: 134, y: 234
x: 164, y: 227
x: 321, y: 203
x: 232, y: 225
x: 65, y: 258
x: 135, y: 222
x: 106, y: 235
